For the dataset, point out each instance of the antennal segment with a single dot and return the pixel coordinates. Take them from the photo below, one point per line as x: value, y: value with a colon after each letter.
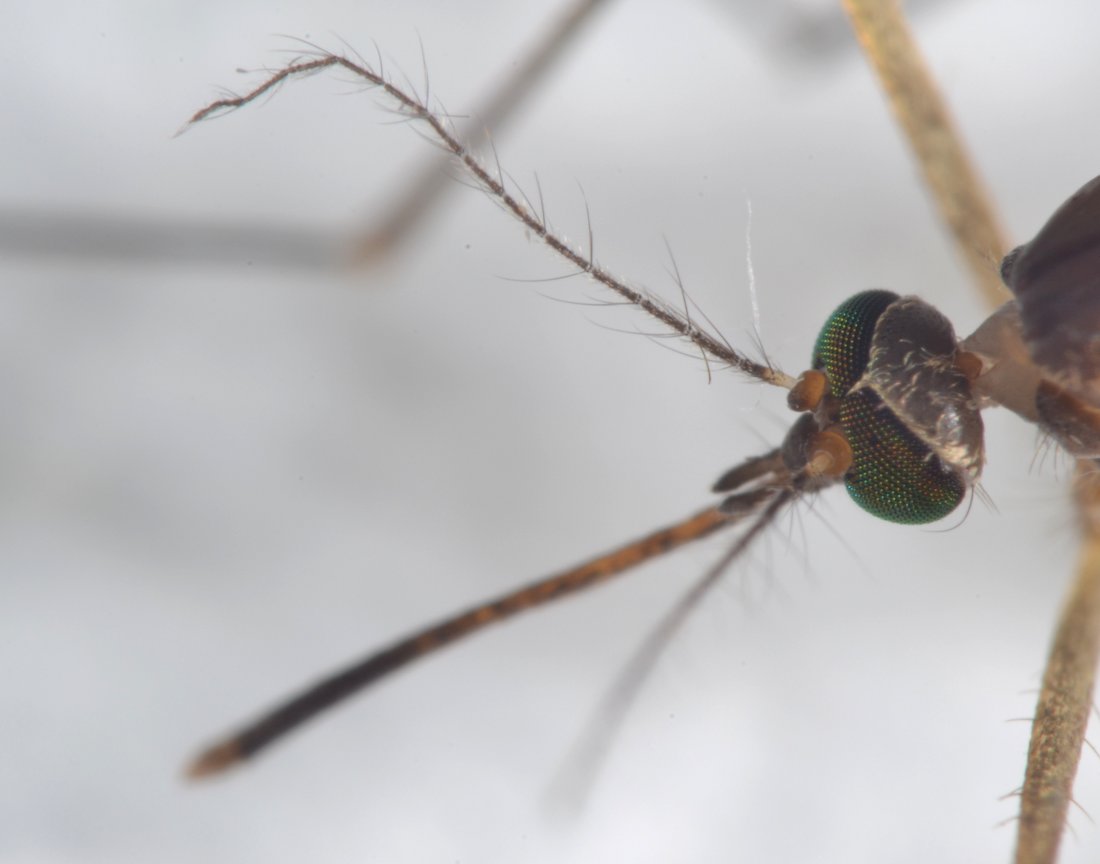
x: 493, y: 183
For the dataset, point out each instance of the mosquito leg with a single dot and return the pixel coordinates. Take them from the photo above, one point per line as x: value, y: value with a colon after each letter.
x: 348, y: 681
x: 964, y: 205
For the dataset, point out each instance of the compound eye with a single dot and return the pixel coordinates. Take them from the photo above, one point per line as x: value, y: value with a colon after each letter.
x: 894, y: 475
x: 844, y: 345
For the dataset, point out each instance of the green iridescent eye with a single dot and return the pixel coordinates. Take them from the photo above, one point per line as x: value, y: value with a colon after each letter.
x: 896, y: 473
x: 844, y: 344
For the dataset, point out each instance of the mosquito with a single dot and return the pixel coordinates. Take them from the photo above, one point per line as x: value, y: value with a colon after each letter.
x: 889, y: 408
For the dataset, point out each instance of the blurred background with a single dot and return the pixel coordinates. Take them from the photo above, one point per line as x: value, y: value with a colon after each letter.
x: 231, y: 460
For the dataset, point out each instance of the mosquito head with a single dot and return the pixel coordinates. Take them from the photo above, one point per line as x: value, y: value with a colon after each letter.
x: 889, y: 409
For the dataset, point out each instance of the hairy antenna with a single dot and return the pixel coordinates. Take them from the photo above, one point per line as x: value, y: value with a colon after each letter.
x: 493, y: 183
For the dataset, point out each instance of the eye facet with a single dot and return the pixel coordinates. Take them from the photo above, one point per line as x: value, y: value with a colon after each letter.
x: 914, y: 430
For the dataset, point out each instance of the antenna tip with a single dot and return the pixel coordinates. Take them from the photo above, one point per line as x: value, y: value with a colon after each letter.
x: 217, y: 759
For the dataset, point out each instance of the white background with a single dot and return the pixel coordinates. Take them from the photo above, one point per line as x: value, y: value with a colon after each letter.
x: 218, y: 480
